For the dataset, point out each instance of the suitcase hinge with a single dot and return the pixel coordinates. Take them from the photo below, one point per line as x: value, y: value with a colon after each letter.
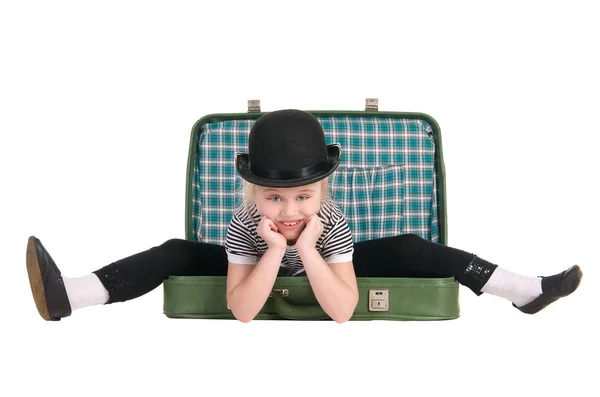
x: 372, y: 105
x: 254, y: 106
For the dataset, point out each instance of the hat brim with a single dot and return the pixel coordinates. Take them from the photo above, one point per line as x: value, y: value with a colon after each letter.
x: 242, y: 164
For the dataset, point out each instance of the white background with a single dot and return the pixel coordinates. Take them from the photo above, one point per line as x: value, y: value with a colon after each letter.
x: 97, y: 101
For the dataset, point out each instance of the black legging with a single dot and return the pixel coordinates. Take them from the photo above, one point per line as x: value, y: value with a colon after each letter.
x: 407, y: 255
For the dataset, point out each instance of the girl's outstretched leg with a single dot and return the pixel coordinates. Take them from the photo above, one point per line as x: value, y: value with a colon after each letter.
x: 57, y: 296
x: 412, y: 256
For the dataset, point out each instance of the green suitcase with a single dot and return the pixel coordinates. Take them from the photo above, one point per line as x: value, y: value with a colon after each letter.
x: 377, y: 147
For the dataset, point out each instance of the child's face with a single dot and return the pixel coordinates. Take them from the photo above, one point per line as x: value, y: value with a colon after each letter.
x: 289, y: 208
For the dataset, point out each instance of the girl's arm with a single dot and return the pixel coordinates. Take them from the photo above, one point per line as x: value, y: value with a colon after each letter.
x: 249, y: 286
x: 334, y: 285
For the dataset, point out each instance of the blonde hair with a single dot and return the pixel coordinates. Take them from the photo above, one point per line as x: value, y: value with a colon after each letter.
x: 249, y: 194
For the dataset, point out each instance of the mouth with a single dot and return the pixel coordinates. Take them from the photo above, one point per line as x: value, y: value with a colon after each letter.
x: 289, y: 225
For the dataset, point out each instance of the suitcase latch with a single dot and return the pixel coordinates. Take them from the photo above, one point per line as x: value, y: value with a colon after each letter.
x: 379, y: 300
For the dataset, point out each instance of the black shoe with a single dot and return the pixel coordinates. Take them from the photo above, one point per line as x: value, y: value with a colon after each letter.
x: 46, y: 282
x: 554, y: 288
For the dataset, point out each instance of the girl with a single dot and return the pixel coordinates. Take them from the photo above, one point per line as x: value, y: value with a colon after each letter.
x: 287, y: 226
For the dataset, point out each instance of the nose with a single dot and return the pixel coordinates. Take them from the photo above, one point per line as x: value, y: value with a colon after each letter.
x: 289, y: 208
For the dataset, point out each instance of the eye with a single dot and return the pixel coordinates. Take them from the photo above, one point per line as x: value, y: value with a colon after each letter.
x: 274, y: 198
x: 303, y: 197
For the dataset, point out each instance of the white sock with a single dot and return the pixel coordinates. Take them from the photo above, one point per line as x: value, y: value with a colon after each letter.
x: 517, y: 288
x: 85, y: 291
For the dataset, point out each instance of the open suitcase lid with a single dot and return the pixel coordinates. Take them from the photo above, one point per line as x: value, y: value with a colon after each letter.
x: 402, y: 172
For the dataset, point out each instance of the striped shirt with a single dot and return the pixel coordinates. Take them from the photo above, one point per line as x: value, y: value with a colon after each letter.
x: 245, y: 246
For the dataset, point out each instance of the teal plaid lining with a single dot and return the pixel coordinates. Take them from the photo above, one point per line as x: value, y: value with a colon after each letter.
x: 369, y: 144
x: 367, y: 197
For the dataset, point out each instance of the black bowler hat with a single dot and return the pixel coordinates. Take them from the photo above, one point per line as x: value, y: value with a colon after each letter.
x: 286, y: 148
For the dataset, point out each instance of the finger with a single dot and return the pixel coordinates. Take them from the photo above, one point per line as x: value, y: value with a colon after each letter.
x: 272, y: 225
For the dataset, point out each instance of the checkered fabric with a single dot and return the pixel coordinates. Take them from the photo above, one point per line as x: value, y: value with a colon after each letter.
x: 369, y: 197
x: 385, y: 185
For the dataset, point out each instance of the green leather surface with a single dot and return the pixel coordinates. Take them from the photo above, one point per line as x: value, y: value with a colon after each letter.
x: 409, y: 299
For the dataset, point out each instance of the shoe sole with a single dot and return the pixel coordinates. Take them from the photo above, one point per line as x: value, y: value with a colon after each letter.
x: 35, y: 280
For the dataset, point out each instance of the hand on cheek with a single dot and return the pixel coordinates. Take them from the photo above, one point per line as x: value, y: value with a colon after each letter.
x: 311, y: 233
x: 268, y: 231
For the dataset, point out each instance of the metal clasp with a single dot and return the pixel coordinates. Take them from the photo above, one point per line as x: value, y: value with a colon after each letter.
x: 372, y: 104
x: 254, y: 106
x: 379, y: 300
x: 283, y: 291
